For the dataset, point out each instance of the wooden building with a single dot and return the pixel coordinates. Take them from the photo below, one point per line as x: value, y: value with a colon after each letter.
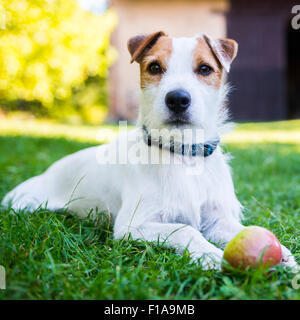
x: 265, y: 75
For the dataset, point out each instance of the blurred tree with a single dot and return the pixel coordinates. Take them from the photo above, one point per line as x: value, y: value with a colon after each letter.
x: 54, y: 57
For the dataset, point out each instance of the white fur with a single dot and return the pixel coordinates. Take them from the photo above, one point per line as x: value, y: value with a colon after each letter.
x: 153, y: 201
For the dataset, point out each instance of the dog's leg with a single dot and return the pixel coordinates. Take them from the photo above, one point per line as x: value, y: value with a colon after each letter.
x: 288, y: 259
x: 178, y: 236
x: 27, y: 196
x: 70, y: 183
x: 221, y: 231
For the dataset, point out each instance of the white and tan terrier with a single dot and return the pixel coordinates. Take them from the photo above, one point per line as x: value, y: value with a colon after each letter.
x: 182, y: 87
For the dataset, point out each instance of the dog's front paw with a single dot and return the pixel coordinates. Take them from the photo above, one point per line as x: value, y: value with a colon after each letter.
x: 287, y: 259
x: 211, y: 260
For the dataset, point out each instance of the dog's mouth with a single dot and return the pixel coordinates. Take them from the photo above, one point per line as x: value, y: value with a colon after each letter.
x: 178, y: 122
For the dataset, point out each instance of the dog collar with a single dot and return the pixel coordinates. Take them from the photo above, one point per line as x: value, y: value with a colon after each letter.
x: 193, y: 150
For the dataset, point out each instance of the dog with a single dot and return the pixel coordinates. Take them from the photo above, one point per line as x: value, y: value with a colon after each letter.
x: 183, y: 88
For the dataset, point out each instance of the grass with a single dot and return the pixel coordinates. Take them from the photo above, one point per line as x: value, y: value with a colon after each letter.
x: 57, y: 256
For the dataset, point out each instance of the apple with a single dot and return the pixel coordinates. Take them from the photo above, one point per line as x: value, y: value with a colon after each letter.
x: 253, y: 246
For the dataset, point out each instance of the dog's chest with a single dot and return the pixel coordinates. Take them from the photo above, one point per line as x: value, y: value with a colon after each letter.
x: 182, y: 195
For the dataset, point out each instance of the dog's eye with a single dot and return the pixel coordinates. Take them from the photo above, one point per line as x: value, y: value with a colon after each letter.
x: 204, y: 70
x: 154, y: 68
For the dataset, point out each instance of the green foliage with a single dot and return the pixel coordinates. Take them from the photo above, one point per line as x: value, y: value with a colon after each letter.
x: 57, y: 256
x: 56, y: 55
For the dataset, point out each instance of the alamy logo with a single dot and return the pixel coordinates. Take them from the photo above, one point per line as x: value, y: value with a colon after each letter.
x: 131, y: 149
x: 296, y: 19
x: 2, y: 278
x: 296, y: 279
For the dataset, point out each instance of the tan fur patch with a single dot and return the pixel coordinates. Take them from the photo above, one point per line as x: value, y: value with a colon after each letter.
x: 204, y: 55
x: 159, y: 53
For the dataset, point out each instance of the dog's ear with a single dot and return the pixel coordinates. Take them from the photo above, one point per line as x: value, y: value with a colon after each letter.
x: 139, y: 45
x: 225, y: 50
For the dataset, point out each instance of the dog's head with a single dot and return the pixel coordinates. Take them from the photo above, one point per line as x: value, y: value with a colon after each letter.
x: 182, y: 80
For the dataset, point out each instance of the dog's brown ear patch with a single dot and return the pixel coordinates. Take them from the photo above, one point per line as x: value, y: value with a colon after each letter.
x: 139, y: 45
x: 225, y: 50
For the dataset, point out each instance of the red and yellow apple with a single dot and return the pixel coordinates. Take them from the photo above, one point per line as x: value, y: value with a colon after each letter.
x: 255, y: 247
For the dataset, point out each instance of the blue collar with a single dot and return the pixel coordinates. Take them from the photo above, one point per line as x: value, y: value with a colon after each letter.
x: 192, y: 150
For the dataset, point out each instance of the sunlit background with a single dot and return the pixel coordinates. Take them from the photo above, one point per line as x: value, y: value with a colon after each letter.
x: 54, y: 58
x: 68, y: 61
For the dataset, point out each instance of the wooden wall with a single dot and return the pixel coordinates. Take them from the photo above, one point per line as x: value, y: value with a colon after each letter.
x: 259, y: 74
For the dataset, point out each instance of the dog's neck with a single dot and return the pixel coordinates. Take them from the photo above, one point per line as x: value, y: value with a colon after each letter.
x: 185, y: 149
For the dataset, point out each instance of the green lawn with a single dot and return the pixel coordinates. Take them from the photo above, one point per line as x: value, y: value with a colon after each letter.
x: 57, y: 256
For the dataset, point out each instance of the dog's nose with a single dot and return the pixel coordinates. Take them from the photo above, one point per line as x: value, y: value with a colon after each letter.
x: 178, y: 100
